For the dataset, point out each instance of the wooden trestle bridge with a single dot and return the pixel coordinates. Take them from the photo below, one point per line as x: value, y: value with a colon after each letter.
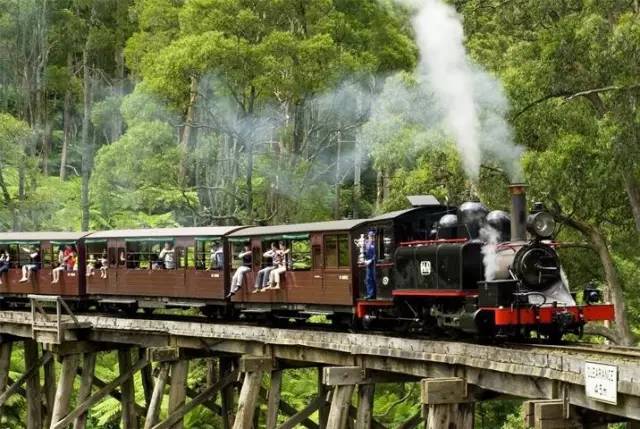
x: 453, y: 375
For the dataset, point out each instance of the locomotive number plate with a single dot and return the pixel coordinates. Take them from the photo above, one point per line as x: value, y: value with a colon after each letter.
x: 601, y: 382
x: 425, y: 268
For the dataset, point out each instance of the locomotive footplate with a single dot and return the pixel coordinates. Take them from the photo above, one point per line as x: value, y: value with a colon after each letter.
x: 547, y: 315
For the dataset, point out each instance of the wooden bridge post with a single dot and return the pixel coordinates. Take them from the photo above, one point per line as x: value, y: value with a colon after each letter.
x: 86, y: 382
x: 253, y: 368
x: 65, y: 387
x: 147, y: 379
x: 49, y: 391
x: 364, y: 414
x: 128, y: 401
x: 447, y: 403
x: 5, y: 363
x: 34, y: 399
x: 226, y: 366
x: 178, y: 389
x: 273, y: 400
x: 323, y: 410
x: 344, y: 381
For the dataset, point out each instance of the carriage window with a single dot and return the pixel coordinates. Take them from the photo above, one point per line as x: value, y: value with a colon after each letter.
x: 190, y: 257
x: 343, y: 250
x: 19, y: 254
x: 96, y: 250
x: 145, y: 254
x: 122, y: 259
x: 330, y: 251
x: 336, y: 251
x: 300, y: 254
x: 236, y: 248
x: 48, y: 257
x: 209, y: 254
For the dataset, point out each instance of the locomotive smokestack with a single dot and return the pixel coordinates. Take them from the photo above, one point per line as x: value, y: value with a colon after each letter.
x: 518, y: 211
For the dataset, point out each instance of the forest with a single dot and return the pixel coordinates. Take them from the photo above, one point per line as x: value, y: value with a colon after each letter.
x: 158, y: 113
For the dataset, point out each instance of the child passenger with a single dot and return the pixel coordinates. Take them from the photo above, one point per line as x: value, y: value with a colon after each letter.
x: 104, y: 265
x: 91, y: 265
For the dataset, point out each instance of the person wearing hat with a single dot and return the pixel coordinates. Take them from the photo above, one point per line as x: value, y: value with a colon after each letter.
x: 370, y: 262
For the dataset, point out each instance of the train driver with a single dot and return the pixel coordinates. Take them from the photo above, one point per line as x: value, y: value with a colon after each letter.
x: 245, y: 267
x: 370, y: 262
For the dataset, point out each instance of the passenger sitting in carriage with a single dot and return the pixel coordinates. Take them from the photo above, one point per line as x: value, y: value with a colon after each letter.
x: 280, y: 262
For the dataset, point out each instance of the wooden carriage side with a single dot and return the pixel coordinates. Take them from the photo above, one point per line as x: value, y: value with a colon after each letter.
x: 71, y: 282
x: 320, y: 269
x: 135, y: 270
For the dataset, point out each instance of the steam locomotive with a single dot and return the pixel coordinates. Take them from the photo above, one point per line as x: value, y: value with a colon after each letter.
x: 481, y: 274
x: 437, y: 268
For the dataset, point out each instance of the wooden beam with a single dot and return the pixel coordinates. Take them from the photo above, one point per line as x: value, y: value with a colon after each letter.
x: 551, y: 414
x: 289, y: 410
x: 459, y: 416
x: 340, y: 403
x: 256, y: 364
x: 147, y: 379
x: 49, y: 391
x: 443, y: 390
x: 200, y: 399
x: 177, y: 392
x: 15, y: 387
x: 129, y: 417
x: 413, y: 421
x: 353, y: 413
x: 343, y: 375
x: 366, y: 393
x: 65, y: 387
x: 153, y: 410
x: 114, y: 393
x: 323, y: 411
x: 247, y: 400
x: 5, y: 363
x: 86, y: 383
x: 227, y: 394
x: 273, y: 399
x: 100, y: 394
x: 34, y: 399
x: 303, y: 414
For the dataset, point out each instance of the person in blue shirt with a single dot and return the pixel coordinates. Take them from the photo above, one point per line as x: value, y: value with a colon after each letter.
x: 370, y: 262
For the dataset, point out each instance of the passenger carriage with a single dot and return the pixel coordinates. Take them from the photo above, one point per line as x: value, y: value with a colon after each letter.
x: 71, y: 284
x: 136, y: 276
x: 321, y: 274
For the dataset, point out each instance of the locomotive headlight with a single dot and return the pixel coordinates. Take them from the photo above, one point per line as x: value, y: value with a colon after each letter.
x: 541, y: 224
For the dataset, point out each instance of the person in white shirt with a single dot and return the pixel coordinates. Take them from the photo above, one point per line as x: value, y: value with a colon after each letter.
x: 168, y: 256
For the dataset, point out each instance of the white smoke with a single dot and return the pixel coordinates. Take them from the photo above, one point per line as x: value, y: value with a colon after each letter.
x: 490, y: 236
x: 473, y: 102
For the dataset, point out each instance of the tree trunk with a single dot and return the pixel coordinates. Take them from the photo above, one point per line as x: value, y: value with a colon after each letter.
x: 357, y: 186
x: 338, y: 183
x: 86, y: 143
x: 615, y: 289
x: 298, y: 126
x: 66, y: 123
x: 249, y: 206
x: 188, y: 127
x: 632, y: 188
x: 379, y: 193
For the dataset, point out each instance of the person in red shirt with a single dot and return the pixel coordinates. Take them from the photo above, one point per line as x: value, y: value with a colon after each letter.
x: 67, y: 260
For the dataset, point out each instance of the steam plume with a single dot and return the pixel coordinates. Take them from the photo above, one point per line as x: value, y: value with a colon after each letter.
x: 473, y: 102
